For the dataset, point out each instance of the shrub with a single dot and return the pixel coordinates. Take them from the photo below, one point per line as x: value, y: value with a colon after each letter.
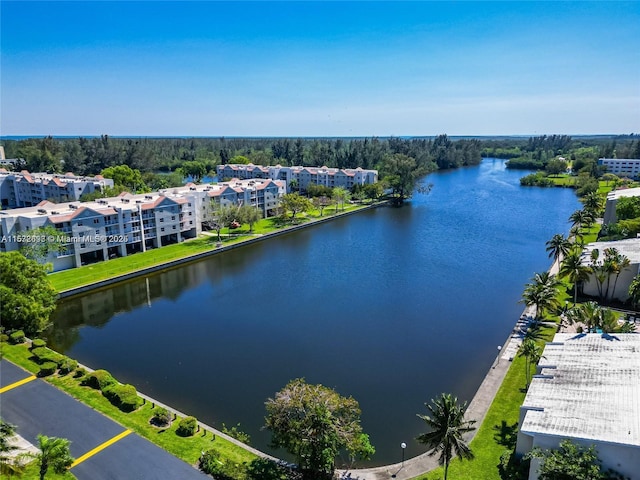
x: 47, y: 368
x: 4, y: 337
x: 187, y: 427
x: 100, y: 379
x: 81, y: 372
x: 68, y: 365
x: 124, y: 397
x: 211, y: 463
x: 161, y: 417
x: 236, y: 433
x: 16, y: 337
x: 44, y: 354
x: 265, y: 469
x: 37, y: 343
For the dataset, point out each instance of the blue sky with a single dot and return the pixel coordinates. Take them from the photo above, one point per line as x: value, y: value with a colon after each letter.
x: 319, y: 69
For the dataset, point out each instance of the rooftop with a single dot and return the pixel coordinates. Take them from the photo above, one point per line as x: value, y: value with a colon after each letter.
x: 629, y: 247
x: 589, y: 388
x: 623, y: 192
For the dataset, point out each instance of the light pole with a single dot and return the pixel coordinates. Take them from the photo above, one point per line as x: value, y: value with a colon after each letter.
x: 403, y: 446
x: 498, y: 359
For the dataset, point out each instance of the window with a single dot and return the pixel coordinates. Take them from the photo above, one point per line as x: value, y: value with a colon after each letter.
x: 162, y: 229
x: 96, y: 220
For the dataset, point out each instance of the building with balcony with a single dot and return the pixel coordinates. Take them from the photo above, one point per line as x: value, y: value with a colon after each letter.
x: 303, y: 176
x: 119, y: 226
x: 26, y: 189
x: 622, y: 167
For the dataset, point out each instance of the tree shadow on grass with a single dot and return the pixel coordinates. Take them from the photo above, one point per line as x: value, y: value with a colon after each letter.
x: 506, y: 435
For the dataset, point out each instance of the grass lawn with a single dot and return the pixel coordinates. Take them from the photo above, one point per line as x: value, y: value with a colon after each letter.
x: 85, y: 275
x: 188, y: 449
x: 499, y: 430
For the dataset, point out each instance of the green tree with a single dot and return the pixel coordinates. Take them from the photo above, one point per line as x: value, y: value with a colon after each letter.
x: 541, y: 292
x: 448, y: 426
x: 593, y: 204
x: 125, y: 176
x: 26, y: 296
x: 294, y: 203
x: 249, y: 215
x: 558, y: 246
x: 194, y: 169
x: 321, y: 203
x: 373, y: 190
x: 573, y: 269
x: 400, y: 174
x: 555, y: 167
x: 634, y: 291
x: 571, y: 462
x: 340, y: 196
x: 627, y: 207
x: 581, y: 218
x: 314, y: 423
x: 532, y: 353
x: 54, y: 453
x: 44, y: 240
x: 8, y: 465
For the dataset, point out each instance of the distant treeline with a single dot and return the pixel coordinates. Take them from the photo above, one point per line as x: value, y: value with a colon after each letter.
x: 84, y: 156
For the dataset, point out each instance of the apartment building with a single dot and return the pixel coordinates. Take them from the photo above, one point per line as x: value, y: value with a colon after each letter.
x: 303, y: 176
x: 26, y: 189
x: 622, y: 167
x: 119, y: 226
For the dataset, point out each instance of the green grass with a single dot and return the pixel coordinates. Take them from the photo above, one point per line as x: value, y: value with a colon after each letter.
x: 499, y: 428
x: 88, y: 274
x: 188, y: 449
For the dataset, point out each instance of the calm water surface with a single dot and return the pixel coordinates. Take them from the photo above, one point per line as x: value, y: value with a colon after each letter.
x: 392, y: 306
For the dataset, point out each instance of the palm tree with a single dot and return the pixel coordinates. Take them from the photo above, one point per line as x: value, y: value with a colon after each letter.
x: 558, y: 247
x: 581, y: 218
x: 447, y: 425
x: 619, y: 264
x: 575, y: 271
x: 54, y: 452
x: 634, y: 291
x: 541, y: 293
x: 532, y: 353
x: 593, y: 203
x: 8, y: 465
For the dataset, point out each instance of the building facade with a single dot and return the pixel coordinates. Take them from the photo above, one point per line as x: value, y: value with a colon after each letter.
x: 622, y: 167
x: 119, y: 226
x: 303, y: 176
x: 586, y: 390
x: 26, y: 189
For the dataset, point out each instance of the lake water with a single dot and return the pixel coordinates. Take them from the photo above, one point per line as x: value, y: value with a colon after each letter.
x: 392, y: 306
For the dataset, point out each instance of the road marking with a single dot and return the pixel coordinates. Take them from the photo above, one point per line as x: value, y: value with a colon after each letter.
x: 17, y: 384
x: 100, y: 447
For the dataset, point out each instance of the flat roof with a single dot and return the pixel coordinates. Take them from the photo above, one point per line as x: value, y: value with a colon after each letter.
x: 629, y: 247
x: 623, y: 192
x: 589, y: 388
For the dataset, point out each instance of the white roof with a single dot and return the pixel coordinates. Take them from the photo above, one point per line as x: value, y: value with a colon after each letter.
x: 623, y: 192
x: 593, y: 392
x: 629, y: 247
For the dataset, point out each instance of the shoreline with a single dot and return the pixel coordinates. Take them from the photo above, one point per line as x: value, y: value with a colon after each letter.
x: 214, y: 251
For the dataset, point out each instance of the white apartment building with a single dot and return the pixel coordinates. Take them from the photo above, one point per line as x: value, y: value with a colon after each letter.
x: 623, y: 167
x: 118, y: 226
x: 26, y: 189
x: 329, y: 177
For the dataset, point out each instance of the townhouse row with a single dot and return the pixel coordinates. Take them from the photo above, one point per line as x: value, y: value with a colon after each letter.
x: 302, y: 176
x: 24, y: 189
x: 119, y: 226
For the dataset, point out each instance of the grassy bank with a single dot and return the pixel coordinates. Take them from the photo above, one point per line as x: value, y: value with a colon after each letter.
x: 186, y: 448
x: 499, y: 429
x: 88, y: 274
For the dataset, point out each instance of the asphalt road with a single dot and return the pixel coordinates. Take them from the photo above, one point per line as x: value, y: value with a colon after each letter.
x: 39, y: 408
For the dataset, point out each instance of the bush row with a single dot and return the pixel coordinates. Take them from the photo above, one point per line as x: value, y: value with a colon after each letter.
x: 125, y: 397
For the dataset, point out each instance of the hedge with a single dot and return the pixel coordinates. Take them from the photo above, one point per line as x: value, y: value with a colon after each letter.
x: 37, y: 343
x: 100, y: 379
x: 17, y: 337
x: 47, y: 368
x: 124, y: 397
x: 44, y: 354
x: 161, y: 417
x: 68, y: 365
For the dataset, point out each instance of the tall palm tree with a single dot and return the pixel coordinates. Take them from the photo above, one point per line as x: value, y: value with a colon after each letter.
x: 448, y: 425
x: 581, y: 218
x: 634, y: 291
x: 574, y: 270
x: 619, y: 264
x: 541, y: 292
x: 593, y: 203
x: 532, y: 353
x: 54, y: 452
x: 558, y: 247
